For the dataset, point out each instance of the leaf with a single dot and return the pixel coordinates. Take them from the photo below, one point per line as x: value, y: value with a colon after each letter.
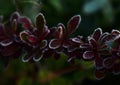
x: 98, y: 62
x: 25, y: 21
x: 32, y: 39
x: 27, y: 56
x: 46, y: 33
x: 99, y: 74
x: 9, y: 50
x: 73, y: 23
x: 13, y: 16
x: 54, y: 44
x: 37, y: 56
x: 88, y: 55
x: 92, y: 42
x: 6, y: 42
x: 60, y: 31
x: 24, y: 36
x: 115, y: 32
x: 43, y: 44
x: 108, y: 62
x: 40, y: 23
x: 14, y: 26
x: 97, y: 33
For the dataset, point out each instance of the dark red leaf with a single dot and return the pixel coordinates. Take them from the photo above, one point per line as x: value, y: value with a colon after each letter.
x: 106, y: 38
x: 60, y: 31
x: 88, y: 55
x: 48, y: 53
x: 108, y: 62
x: 27, y: 56
x: 104, y: 51
x: 14, y: 26
x: 9, y: 50
x: 26, y: 22
x: 32, y: 39
x: 115, y: 32
x: 99, y: 74
x: 97, y: 33
x: 117, y: 40
x: 24, y: 36
x: 40, y: 23
x: 71, y: 48
x: 37, y: 56
x: 43, y: 44
x: 98, y: 62
x: 73, y: 23
x: 85, y: 46
x: 67, y: 43
x: 15, y: 15
x: 54, y: 44
x: 6, y: 42
x: 102, y: 36
x: 93, y: 43
x: 46, y: 32
x: 77, y: 39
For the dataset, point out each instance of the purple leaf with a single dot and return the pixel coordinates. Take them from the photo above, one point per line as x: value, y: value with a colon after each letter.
x: 6, y: 42
x: 77, y: 39
x: 27, y: 56
x: 73, y: 23
x: 92, y: 42
x: 99, y: 74
x: 117, y: 39
x: 9, y: 50
x: 105, y: 37
x: 88, y: 55
x: 70, y: 59
x: 32, y: 39
x: 97, y: 33
x: 26, y: 22
x: 85, y: 46
x: 54, y: 44
x: 40, y: 22
x: 37, y: 56
x: 43, y: 44
x: 60, y: 31
x: 67, y: 43
x: 115, y: 32
x: 48, y: 53
x: 71, y: 48
x: 108, y: 62
x: 104, y: 51
x: 46, y: 32
x: 14, y: 26
x: 24, y: 36
x: 98, y: 62
x: 15, y: 15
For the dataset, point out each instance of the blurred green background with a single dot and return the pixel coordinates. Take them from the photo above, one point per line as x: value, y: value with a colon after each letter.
x: 94, y: 13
